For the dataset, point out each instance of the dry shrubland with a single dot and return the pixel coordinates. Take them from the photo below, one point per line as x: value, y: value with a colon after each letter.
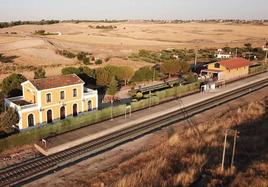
x: 186, y: 158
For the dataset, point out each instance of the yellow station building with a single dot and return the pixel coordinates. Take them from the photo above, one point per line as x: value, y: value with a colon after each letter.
x: 49, y: 99
x: 227, y: 69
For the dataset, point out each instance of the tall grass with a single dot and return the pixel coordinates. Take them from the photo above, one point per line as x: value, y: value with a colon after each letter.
x: 182, y: 157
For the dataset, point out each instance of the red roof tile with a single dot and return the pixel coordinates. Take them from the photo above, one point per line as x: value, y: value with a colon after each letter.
x: 235, y: 63
x: 57, y: 81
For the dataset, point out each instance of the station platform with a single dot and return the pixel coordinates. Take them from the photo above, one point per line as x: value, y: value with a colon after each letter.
x: 83, y: 135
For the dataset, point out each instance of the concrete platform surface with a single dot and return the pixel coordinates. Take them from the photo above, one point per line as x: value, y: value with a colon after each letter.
x: 70, y: 139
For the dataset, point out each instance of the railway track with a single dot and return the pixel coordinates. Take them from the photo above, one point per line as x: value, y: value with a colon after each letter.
x: 27, y: 171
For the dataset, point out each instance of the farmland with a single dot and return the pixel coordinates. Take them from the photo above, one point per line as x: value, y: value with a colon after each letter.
x: 24, y: 50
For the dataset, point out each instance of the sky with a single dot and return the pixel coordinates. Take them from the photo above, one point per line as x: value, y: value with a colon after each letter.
x: 12, y: 10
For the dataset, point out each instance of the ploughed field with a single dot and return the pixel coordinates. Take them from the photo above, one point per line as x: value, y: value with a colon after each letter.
x: 114, y: 41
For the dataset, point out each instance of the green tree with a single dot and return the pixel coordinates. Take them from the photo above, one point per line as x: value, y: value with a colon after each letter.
x: 170, y: 67
x: 111, y: 91
x: 125, y: 73
x: 143, y: 74
x: 70, y: 70
x: 86, y: 70
x: 11, y: 85
x: 2, y: 97
x: 113, y: 70
x: 103, y: 77
x: 112, y: 87
x: 39, y: 73
x: 184, y: 68
x: 8, y: 119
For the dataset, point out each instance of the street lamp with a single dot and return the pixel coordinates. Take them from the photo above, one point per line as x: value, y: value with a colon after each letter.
x: 150, y: 101
x: 265, y: 48
x: 112, y: 102
x: 128, y: 108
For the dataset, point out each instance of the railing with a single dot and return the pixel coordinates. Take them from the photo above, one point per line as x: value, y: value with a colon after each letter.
x: 10, y: 103
x: 89, y: 92
x: 15, y: 98
x: 28, y: 106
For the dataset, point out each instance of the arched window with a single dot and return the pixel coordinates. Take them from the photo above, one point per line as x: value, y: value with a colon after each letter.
x: 62, y: 112
x: 75, y: 110
x: 30, y: 120
x: 49, y: 116
x: 89, y: 104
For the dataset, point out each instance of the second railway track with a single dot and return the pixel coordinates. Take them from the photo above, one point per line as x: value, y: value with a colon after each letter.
x: 35, y: 168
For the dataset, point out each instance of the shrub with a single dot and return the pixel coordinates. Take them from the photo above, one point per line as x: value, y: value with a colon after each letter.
x: 70, y: 70
x: 11, y: 85
x: 86, y: 61
x: 98, y: 62
x: 8, y: 119
x: 39, y: 73
x: 66, y: 53
x: 81, y: 55
x: 40, y: 32
x: 190, y: 78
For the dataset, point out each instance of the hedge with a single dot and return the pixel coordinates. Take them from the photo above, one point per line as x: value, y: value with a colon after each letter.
x: 71, y: 123
x: 257, y: 69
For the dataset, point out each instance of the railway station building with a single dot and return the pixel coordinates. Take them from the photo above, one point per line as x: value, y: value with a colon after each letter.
x: 50, y: 99
x: 227, y: 69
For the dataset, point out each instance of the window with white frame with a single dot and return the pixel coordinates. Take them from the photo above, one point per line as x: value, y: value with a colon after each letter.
x: 48, y: 97
x: 74, y: 92
x: 62, y: 95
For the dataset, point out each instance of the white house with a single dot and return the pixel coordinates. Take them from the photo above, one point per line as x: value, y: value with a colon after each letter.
x: 222, y: 54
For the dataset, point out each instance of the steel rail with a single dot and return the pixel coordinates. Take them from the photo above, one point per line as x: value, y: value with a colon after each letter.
x: 36, y: 167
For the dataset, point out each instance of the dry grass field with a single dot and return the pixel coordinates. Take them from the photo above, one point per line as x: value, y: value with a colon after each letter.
x: 126, y: 38
x: 183, y: 158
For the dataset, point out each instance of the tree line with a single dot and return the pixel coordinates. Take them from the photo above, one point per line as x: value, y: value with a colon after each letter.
x: 16, y: 23
x: 111, y: 77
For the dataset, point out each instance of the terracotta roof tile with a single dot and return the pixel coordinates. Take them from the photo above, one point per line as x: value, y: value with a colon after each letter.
x: 235, y: 63
x: 57, y: 81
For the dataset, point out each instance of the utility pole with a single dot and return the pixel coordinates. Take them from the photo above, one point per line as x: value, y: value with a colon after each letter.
x: 195, y: 59
x: 266, y: 54
x: 150, y: 100
x: 234, y: 146
x: 224, y: 150
x: 112, y: 102
x: 234, y: 133
x: 265, y: 48
x: 154, y: 75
